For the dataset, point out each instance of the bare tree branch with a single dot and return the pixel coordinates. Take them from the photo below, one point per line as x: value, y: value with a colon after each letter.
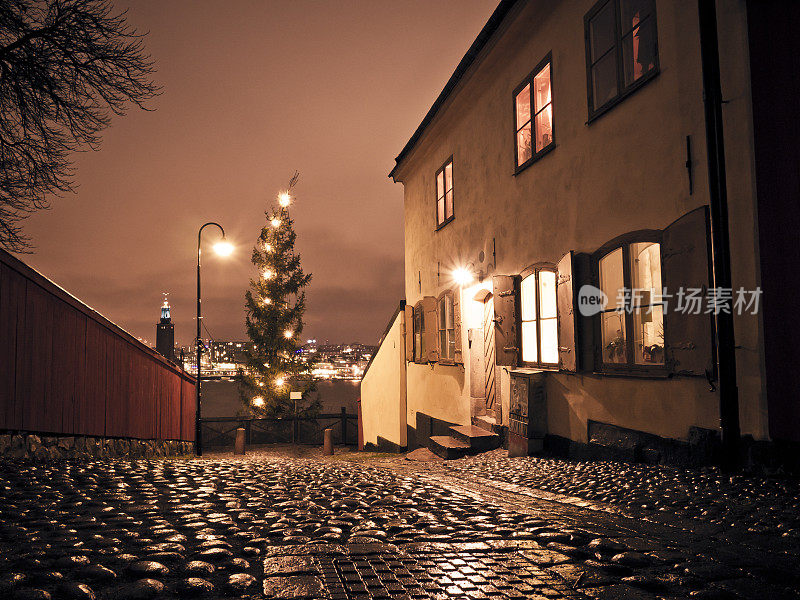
x: 65, y: 67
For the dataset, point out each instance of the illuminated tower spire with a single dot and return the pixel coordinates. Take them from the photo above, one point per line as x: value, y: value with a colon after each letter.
x: 165, y: 332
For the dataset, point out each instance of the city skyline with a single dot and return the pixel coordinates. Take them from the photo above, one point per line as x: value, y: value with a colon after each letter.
x: 228, y: 131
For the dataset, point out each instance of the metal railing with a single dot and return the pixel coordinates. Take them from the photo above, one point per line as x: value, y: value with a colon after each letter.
x: 221, y: 431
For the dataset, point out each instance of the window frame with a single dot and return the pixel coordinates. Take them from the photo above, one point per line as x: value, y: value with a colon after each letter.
x: 630, y: 367
x: 622, y: 91
x: 441, y: 169
x: 535, y: 156
x: 534, y: 270
x: 443, y: 357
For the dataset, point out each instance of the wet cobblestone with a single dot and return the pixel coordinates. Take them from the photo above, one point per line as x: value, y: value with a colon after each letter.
x: 295, y: 528
x: 760, y: 504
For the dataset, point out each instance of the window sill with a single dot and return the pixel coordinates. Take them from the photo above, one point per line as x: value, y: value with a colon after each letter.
x: 535, y: 158
x: 593, y: 116
x: 645, y: 373
x: 445, y: 223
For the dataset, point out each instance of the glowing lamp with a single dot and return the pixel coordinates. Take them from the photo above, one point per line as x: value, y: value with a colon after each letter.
x: 266, y: 301
x: 223, y: 248
x: 268, y: 274
x: 275, y: 223
x: 258, y: 401
x: 280, y: 381
x: 288, y: 334
x: 284, y: 198
x: 462, y: 276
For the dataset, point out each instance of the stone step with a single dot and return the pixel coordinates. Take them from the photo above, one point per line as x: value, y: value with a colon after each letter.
x: 477, y: 438
x: 487, y: 422
x: 448, y: 447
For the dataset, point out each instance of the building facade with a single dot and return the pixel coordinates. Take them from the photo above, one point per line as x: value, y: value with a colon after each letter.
x: 559, y: 199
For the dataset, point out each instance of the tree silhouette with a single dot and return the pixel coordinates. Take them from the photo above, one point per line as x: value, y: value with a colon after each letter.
x: 65, y: 67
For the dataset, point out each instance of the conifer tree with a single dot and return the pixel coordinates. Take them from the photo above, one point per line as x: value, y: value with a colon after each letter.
x: 275, y: 304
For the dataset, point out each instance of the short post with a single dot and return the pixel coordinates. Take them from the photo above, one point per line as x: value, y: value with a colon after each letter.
x: 238, y: 447
x: 327, y: 442
x: 344, y: 426
x: 294, y: 397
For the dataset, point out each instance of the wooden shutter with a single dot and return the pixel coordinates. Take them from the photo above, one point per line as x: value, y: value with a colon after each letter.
x: 565, y: 295
x: 505, y: 319
x: 431, y: 332
x: 409, y: 332
x: 458, y: 355
x: 584, y: 326
x: 689, y: 338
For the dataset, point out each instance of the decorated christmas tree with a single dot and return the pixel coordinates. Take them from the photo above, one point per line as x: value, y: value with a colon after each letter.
x: 275, y: 304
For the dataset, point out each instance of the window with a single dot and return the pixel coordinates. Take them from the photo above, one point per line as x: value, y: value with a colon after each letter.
x: 632, y: 323
x: 539, y: 317
x: 420, y: 354
x: 444, y: 194
x: 447, y: 327
x: 621, y: 50
x: 533, y: 116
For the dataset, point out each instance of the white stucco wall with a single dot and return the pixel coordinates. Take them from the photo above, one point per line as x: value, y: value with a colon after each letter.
x: 383, y: 389
x: 623, y: 172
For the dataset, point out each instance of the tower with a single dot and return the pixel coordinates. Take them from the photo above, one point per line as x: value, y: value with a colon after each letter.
x: 165, y: 333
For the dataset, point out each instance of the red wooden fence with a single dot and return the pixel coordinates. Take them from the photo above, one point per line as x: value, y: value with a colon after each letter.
x: 67, y: 370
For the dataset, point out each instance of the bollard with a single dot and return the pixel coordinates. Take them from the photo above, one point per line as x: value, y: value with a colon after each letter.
x: 238, y: 447
x: 327, y: 443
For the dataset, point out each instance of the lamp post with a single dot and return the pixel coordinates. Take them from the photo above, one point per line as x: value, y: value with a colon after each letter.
x: 223, y: 248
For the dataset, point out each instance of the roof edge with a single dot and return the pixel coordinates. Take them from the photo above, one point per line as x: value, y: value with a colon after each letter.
x: 463, y: 66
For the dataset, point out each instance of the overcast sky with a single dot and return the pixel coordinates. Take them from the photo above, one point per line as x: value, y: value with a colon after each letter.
x: 252, y: 91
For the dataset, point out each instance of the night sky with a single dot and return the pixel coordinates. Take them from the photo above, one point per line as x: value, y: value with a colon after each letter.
x: 253, y: 91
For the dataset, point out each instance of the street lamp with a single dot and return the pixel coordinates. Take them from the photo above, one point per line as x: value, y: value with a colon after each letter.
x: 223, y: 248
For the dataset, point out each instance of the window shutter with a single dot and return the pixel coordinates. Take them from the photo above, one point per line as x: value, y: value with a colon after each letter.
x: 689, y: 338
x: 505, y: 320
x: 431, y: 332
x: 458, y: 355
x: 409, y: 332
x: 565, y: 298
x: 584, y: 326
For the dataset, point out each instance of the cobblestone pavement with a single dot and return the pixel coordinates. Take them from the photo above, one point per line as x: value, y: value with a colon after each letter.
x: 761, y: 505
x: 280, y: 527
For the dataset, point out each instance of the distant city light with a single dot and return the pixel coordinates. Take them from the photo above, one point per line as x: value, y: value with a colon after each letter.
x: 258, y: 401
x: 223, y: 248
x: 284, y: 198
x: 462, y: 276
x: 276, y: 223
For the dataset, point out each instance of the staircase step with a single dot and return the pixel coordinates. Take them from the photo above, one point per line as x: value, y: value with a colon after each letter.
x: 448, y: 447
x: 477, y: 438
x: 487, y: 422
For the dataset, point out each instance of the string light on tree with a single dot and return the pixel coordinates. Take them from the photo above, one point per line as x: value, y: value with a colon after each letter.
x: 274, y: 321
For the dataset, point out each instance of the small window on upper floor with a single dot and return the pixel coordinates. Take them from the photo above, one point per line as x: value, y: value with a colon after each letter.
x: 444, y: 194
x: 621, y: 50
x: 533, y: 113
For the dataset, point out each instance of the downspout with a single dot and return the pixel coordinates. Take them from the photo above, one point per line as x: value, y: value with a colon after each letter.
x: 720, y: 235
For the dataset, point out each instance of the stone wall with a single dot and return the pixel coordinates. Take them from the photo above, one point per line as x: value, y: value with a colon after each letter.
x: 37, y: 448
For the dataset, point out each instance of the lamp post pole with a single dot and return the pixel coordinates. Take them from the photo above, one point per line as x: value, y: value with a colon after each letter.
x: 198, y: 441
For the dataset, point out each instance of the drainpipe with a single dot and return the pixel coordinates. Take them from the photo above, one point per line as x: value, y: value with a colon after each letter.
x: 720, y: 242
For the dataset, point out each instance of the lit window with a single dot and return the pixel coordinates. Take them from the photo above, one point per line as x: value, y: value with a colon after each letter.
x: 539, y: 322
x: 632, y: 324
x: 447, y: 331
x: 621, y: 41
x: 534, y: 115
x: 444, y: 194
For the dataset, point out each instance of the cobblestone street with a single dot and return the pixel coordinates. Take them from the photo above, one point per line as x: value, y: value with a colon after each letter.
x: 285, y: 527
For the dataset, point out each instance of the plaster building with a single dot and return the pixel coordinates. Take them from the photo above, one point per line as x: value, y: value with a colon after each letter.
x: 647, y: 148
